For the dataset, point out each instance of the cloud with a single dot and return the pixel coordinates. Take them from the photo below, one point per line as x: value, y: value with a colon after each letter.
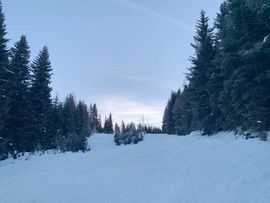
x: 130, y: 109
x: 151, y: 12
x: 152, y: 81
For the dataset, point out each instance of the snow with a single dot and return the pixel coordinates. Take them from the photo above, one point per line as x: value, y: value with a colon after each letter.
x: 222, y: 168
x: 266, y: 39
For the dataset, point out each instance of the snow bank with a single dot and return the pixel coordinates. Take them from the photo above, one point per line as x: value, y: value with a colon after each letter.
x: 160, y: 169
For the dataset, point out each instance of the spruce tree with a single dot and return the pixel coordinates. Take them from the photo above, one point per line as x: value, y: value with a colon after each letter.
x: 216, y: 80
x: 41, y: 95
x: 168, y: 124
x: 56, y: 124
x: 4, y: 84
x: 94, y: 120
x: 198, y: 76
x: 117, y: 134
x: 19, y: 126
x: 69, y: 116
x: 182, y: 113
x: 108, y: 125
x: 99, y: 127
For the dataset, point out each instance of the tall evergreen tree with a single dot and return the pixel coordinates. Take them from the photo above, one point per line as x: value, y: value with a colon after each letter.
x: 198, y: 76
x: 56, y: 124
x: 4, y: 84
x: 216, y: 80
x: 41, y: 95
x: 19, y: 126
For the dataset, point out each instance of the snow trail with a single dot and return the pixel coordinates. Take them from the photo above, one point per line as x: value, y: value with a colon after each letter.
x: 159, y: 169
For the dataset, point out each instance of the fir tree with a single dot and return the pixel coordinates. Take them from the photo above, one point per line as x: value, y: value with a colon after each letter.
x: 198, y: 77
x: 41, y: 95
x: 108, y: 125
x: 117, y: 134
x: 56, y: 124
x: 168, y: 118
x: 4, y: 84
x: 19, y: 126
x: 182, y: 113
x: 94, y: 120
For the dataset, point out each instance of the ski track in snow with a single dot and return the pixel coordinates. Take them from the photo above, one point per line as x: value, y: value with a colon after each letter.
x: 160, y: 169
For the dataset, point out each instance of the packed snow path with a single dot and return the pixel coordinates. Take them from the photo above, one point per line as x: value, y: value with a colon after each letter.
x: 160, y: 169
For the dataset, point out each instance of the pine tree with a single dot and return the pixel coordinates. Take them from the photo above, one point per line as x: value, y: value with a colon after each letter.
x: 82, y: 129
x: 56, y: 124
x: 19, y: 126
x: 94, y: 120
x: 198, y: 77
x: 69, y: 113
x: 108, y: 125
x: 182, y: 113
x: 117, y: 134
x: 82, y: 119
x: 4, y: 84
x: 99, y: 127
x: 215, y: 81
x: 254, y: 74
x: 123, y: 127
x: 41, y: 95
x: 168, y: 118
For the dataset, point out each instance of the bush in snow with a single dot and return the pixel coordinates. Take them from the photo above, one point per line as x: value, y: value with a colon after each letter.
x: 129, y: 134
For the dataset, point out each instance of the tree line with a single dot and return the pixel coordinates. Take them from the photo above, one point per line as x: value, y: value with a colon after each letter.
x: 228, y: 82
x: 30, y: 119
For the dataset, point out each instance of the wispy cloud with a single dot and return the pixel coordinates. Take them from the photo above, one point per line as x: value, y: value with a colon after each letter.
x: 157, y: 82
x: 151, y: 81
x: 151, y: 12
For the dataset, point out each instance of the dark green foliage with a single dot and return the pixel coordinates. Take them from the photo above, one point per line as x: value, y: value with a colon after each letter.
x: 55, y: 124
x: 199, y: 74
x: 82, y: 119
x: 4, y: 83
x: 229, y: 79
x: 19, y: 125
x: 128, y: 134
x: 108, y: 125
x: 117, y: 134
x: 168, y: 118
x: 95, y: 122
x: 152, y: 130
x: 182, y: 114
x: 29, y: 119
x: 41, y: 95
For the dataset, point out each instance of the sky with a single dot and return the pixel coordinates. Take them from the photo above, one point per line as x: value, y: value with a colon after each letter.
x: 125, y: 55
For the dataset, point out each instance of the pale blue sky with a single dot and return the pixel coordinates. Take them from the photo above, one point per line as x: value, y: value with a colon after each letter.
x: 126, y: 55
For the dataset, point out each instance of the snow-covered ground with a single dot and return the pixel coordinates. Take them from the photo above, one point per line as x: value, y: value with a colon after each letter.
x: 160, y: 169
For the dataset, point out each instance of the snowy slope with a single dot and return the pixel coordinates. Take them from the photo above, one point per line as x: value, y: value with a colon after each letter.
x: 160, y: 169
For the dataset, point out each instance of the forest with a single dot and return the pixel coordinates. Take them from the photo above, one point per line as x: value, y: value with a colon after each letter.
x: 227, y: 86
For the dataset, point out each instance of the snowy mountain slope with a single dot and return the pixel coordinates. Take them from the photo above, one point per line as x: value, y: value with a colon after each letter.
x: 160, y: 169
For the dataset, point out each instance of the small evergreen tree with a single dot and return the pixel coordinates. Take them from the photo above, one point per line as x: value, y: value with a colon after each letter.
x: 117, y: 134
